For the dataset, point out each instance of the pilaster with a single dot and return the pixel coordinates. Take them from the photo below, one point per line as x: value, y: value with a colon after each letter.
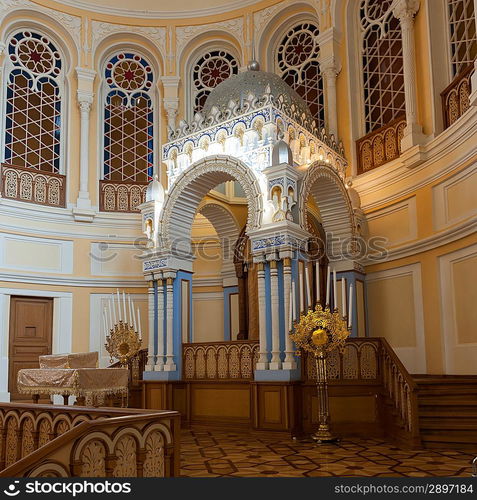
x: 84, y: 95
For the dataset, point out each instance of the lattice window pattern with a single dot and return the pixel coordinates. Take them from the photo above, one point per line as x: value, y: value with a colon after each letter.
x: 297, y: 63
x: 33, y: 103
x: 210, y: 70
x: 462, y: 33
x: 128, y: 119
x: 382, y: 64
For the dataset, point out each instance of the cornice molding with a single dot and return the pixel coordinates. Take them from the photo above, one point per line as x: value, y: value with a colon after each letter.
x: 72, y: 281
x: 159, y: 14
x: 440, y: 239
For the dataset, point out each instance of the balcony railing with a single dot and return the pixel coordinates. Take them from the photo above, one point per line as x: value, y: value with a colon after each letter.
x: 456, y: 97
x: 220, y: 360
x: 118, y: 196
x: 33, y: 186
x: 381, y: 145
x: 58, y: 441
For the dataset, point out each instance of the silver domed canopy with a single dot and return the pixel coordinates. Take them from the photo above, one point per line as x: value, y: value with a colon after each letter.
x: 155, y: 191
x: 253, y: 81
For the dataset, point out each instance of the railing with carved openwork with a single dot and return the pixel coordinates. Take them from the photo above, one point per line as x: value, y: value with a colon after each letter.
x: 456, y: 96
x: 33, y: 186
x: 233, y: 360
x: 401, y: 389
x: 136, y: 366
x: 118, y: 196
x: 359, y: 362
x: 381, y: 145
x: 47, y: 440
x: 373, y: 361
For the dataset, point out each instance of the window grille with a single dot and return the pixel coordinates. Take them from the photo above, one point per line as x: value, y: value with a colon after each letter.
x: 463, y: 39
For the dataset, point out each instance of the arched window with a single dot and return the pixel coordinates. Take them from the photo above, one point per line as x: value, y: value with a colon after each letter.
x: 462, y: 36
x: 382, y: 64
x: 33, y: 103
x: 128, y: 119
x: 210, y: 69
x: 296, y: 61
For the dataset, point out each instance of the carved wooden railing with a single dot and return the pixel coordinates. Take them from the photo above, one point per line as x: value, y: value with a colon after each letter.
x: 136, y: 367
x: 401, y: 389
x: 373, y: 361
x: 381, y: 145
x: 456, y: 96
x: 118, y: 196
x: 359, y: 362
x: 33, y: 186
x: 233, y: 360
x: 47, y: 440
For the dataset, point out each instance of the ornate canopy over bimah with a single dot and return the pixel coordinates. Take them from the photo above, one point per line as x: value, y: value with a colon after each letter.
x: 258, y: 132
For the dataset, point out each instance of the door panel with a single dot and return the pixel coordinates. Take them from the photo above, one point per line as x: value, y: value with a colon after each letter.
x: 31, y: 324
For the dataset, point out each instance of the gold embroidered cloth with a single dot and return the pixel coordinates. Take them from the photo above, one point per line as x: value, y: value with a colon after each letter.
x: 91, y: 383
x: 73, y: 360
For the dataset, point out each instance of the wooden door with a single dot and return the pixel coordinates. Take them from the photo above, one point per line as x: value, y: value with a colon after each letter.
x: 31, y: 324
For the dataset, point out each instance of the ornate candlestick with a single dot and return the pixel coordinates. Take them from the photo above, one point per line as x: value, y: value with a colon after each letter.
x: 319, y: 332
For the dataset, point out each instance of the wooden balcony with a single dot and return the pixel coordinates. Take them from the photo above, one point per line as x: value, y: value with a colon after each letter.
x: 381, y: 145
x: 456, y: 96
x: 33, y: 186
x: 118, y: 196
x: 59, y: 441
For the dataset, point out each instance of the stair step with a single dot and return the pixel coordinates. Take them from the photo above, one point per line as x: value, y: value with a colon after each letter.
x: 445, y: 379
x: 457, y: 424
x: 441, y: 401
x: 448, y: 391
x: 458, y: 413
x: 463, y: 437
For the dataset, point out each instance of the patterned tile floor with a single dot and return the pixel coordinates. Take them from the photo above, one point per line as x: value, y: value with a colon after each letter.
x: 241, y: 453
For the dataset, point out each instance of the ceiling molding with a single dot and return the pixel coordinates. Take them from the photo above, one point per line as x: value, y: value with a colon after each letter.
x: 158, y: 14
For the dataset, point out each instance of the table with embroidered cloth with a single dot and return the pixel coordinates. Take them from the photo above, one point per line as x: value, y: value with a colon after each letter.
x: 90, y: 385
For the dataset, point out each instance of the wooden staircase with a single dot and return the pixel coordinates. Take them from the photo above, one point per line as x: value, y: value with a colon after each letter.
x: 447, y: 410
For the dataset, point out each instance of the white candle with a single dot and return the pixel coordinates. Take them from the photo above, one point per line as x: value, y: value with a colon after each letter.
x: 302, y: 298
x: 335, y: 296
x: 131, y: 312
x: 350, y: 310
x: 317, y: 271
x: 105, y: 326
x: 139, y: 323
x: 110, y: 305
x: 294, y: 300
x: 134, y: 318
x: 125, y: 318
x: 328, y: 286
x: 343, y: 297
x: 119, y: 306
x: 290, y: 311
x: 308, y: 286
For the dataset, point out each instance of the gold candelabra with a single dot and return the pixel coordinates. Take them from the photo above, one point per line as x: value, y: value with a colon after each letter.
x: 319, y: 332
x: 123, y: 342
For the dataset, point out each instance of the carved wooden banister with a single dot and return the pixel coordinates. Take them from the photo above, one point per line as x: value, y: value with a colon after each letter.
x: 456, y: 96
x: 89, y: 442
x: 381, y: 145
x: 234, y: 360
x: 33, y: 185
x: 402, y: 390
x: 119, y: 196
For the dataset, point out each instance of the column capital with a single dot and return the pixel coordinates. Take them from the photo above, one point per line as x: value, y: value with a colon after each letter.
x: 330, y: 67
x: 405, y: 10
x: 85, y: 99
x: 85, y: 74
x: 170, y: 81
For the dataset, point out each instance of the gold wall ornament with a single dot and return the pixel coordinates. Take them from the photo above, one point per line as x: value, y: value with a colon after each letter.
x: 122, y: 343
x: 320, y: 332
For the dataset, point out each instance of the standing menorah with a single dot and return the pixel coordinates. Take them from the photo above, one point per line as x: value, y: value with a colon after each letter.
x: 122, y: 328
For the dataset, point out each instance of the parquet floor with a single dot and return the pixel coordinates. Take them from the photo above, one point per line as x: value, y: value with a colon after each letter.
x: 241, y: 453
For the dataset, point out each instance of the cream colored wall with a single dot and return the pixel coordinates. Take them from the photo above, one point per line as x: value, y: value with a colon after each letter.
x: 426, y: 212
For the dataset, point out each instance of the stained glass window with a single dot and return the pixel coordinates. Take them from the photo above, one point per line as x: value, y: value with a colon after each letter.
x: 33, y: 103
x: 210, y: 70
x: 297, y: 63
x: 382, y: 64
x: 463, y: 40
x: 128, y: 119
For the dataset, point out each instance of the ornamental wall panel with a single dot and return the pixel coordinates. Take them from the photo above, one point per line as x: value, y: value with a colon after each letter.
x: 396, y: 223
x: 41, y: 255
x: 115, y: 259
